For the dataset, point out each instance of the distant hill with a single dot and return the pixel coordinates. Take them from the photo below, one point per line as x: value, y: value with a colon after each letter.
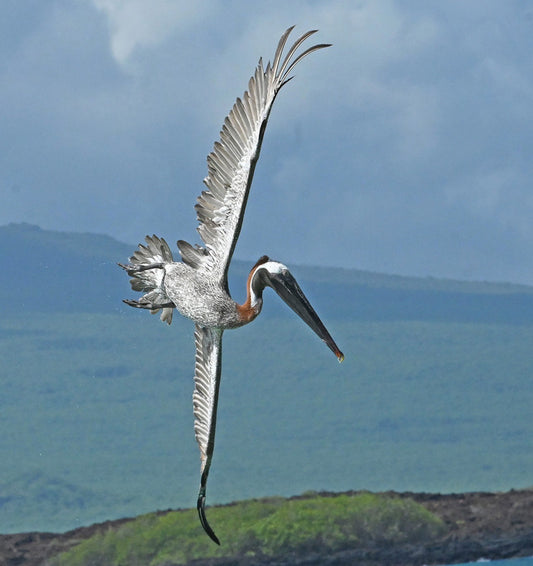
x: 58, y: 271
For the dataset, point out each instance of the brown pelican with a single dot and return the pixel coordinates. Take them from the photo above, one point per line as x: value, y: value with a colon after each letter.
x: 198, y: 285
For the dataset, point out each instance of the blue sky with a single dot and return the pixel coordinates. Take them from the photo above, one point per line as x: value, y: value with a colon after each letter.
x: 404, y: 148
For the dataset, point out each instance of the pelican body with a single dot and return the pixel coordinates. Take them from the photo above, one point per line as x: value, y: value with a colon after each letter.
x: 197, y: 286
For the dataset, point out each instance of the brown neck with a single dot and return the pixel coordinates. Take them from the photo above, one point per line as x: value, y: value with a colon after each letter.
x: 247, y: 312
x: 252, y: 306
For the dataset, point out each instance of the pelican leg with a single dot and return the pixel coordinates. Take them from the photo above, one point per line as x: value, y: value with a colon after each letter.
x: 147, y: 304
x: 141, y: 267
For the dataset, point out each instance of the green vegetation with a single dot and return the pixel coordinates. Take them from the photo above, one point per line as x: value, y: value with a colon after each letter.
x: 270, y: 527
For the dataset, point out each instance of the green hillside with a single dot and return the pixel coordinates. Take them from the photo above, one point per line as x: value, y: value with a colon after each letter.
x: 435, y: 393
x: 268, y: 528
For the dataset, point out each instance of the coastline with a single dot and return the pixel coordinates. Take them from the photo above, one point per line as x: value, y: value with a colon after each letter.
x: 481, y: 525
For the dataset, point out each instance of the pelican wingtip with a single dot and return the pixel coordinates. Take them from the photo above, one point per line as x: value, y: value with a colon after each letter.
x: 203, y: 519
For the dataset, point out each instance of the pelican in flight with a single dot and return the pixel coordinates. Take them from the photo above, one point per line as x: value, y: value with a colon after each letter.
x: 197, y: 286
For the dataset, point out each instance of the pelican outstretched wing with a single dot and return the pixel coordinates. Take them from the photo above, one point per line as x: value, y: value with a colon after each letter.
x: 231, y: 164
x: 205, y: 398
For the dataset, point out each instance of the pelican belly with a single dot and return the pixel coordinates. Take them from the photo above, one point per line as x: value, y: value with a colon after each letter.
x: 199, y: 298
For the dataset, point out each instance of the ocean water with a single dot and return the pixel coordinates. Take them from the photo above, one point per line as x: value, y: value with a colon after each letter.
x: 513, y: 562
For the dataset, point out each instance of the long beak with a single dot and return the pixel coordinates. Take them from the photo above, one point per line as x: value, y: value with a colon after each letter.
x: 288, y: 289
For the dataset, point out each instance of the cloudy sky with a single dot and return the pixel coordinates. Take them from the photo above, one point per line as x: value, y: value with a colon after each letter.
x: 404, y: 148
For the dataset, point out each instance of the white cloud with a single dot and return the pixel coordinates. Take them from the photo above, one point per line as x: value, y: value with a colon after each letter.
x: 135, y: 24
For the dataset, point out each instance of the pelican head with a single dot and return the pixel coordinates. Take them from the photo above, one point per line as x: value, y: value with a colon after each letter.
x: 270, y: 273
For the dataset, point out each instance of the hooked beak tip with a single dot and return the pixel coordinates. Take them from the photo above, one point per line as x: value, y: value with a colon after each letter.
x: 288, y: 289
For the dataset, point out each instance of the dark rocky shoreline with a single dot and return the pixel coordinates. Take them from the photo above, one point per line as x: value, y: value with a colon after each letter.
x: 480, y: 525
